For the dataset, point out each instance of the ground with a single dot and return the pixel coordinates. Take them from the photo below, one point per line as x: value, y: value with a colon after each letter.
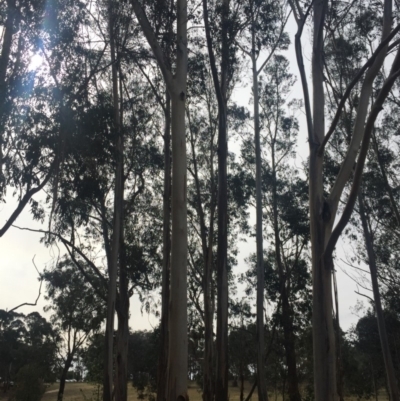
x: 87, y: 392
x: 90, y: 392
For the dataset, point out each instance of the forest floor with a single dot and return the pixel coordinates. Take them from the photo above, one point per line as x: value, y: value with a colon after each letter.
x: 91, y: 392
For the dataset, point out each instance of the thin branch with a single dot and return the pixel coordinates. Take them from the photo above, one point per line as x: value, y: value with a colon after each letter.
x: 366, y: 296
x: 377, y: 107
x: 351, y: 85
x: 40, y: 291
x: 66, y: 242
x: 275, y: 44
x: 300, y: 62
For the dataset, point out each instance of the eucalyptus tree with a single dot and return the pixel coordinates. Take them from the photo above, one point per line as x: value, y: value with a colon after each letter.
x: 26, y: 342
x: 290, y: 237
x: 77, y: 312
x: 284, y: 197
x: 175, y: 82
x: 202, y: 126
x: 241, y: 344
x: 202, y: 194
x: 83, y: 212
x: 377, y: 212
x: 344, y: 53
x: 264, y: 33
x: 324, y: 201
x: 32, y: 124
x: 221, y: 91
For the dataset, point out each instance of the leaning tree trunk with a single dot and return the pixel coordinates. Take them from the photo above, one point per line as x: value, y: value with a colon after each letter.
x: 387, y: 357
x: 323, y: 212
x: 63, y: 377
x: 165, y: 294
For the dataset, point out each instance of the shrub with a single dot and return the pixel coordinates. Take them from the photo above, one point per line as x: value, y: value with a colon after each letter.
x: 29, y: 384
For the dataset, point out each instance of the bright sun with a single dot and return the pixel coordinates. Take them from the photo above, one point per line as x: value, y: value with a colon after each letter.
x: 36, y: 62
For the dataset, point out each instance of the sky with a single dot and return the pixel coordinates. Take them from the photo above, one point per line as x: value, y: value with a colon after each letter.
x: 19, y: 278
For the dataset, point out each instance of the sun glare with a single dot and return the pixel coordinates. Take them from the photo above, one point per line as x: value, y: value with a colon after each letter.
x: 36, y: 62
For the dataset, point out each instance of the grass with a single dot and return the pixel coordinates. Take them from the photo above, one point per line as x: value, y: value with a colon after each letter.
x: 88, y: 392
x: 85, y: 392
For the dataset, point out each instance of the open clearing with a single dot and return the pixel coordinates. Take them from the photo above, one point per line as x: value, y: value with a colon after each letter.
x: 89, y: 392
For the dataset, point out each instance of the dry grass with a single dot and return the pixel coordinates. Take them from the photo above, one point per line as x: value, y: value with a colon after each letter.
x: 87, y: 392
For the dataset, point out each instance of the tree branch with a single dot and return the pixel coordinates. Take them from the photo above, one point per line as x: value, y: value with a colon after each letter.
x: 155, y: 46
x: 40, y: 289
x: 377, y: 107
x: 351, y: 85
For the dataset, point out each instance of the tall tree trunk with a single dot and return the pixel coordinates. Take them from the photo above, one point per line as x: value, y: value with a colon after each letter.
x: 63, y: 377
x: 117, y: 223
x: 287, y: 315
x: 165, y: 294
x: 177, y: 353
x: 387, y: 357
x: 221, y: 388
x: 262, y: 388
x: 4, y: 60
x: 207, y: 250
x: 178, y: 345
x: 323, y: 332
x: 220, y: 86
x: 323, y: 212
x: 178, y: 341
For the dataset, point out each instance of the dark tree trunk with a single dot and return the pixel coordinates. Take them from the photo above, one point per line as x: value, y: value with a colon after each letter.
x: 207, y: 250
x: 290, y: 351
x: 117, y: 223
x: 122, y: 340
x: 392, y: 385
x: 220, y: 86
x: 4, y: 60
x: 241, y: 383
x: 287, y: 315
x: 63, y: 377
x: 262, y: 388
x: 221, y: 387
x: 163, y: 355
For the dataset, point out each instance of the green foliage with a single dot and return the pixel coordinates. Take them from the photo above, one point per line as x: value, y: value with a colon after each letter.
x: 29, y: 384
x: 93, y: 358
x: 143, y: 352
x: 27, y: 340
